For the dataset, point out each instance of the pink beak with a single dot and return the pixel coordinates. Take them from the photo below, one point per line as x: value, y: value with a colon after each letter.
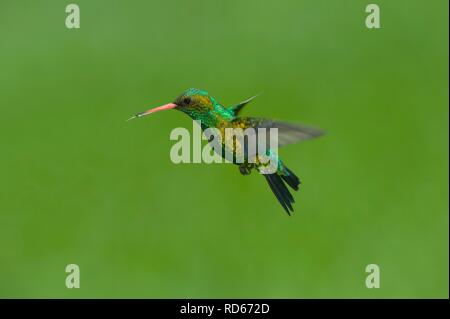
x: 154, y: 110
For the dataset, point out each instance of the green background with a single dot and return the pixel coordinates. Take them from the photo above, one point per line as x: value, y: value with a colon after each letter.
x: 81, y: 185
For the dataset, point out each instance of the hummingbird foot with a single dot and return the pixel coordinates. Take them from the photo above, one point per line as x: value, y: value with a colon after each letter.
x: 245, y: 169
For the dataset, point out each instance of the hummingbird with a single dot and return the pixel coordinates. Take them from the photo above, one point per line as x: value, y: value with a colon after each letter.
x: 204, y: 108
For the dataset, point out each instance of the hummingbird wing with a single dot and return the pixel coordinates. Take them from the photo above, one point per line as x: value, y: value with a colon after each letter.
x: 237, y: 108
x: 288, y: 133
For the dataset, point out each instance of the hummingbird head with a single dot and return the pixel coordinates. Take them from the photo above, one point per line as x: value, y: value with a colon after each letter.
x: 194, y: 102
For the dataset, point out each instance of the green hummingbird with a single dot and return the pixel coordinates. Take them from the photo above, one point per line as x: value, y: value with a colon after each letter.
x: 204, y: 108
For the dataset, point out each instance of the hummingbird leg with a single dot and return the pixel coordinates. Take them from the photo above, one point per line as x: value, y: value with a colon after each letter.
x: 245, y: 169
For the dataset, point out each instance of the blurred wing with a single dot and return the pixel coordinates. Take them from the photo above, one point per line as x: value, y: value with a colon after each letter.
x: 289, y: 133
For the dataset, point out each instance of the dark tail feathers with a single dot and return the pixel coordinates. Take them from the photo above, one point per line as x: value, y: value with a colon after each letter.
x: 291, y: 179
x: 280, y: 190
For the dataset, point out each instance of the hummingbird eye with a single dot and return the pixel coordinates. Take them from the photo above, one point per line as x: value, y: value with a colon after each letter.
x: 187, y: 100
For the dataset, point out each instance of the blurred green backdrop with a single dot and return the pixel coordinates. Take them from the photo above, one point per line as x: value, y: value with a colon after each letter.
x: 81, y: 185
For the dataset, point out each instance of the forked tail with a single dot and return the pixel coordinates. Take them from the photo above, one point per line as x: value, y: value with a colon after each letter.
x: 277, y: 184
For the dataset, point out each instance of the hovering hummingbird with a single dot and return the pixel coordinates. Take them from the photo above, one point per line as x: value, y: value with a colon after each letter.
x: 202, y: 107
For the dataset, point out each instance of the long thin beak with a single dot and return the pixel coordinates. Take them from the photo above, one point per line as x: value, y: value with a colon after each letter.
x: 167, y: 106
